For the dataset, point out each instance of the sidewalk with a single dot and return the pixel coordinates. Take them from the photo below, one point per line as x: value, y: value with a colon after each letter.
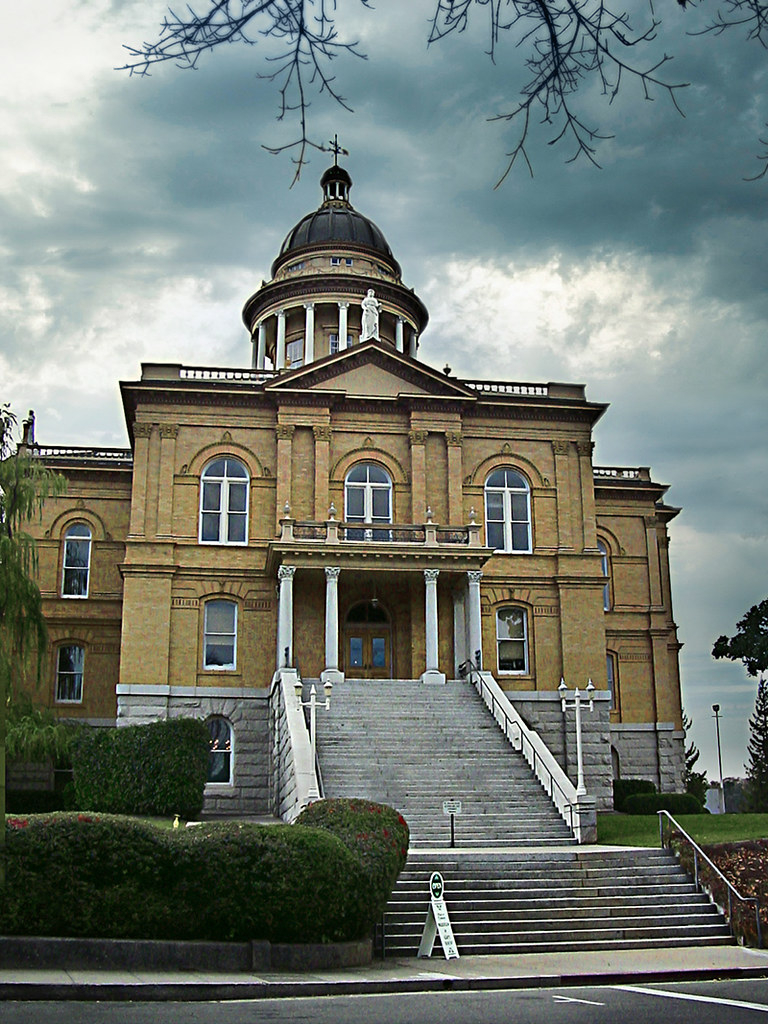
x: 540, y: 970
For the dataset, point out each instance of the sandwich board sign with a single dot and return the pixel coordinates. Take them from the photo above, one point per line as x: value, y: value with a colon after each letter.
x: 438, y: 922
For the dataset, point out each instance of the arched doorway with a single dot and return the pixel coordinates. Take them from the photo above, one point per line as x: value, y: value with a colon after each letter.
x: 367, y: 642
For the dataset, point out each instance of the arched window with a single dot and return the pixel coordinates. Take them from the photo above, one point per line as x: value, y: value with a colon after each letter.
x: 221, y: 755
x: 512, y: 639
x: 77, y: 561
x: 368, y: 499
x: 224, y: 502
x: 220, y: 636
x: 507, y: 511
x: 70, y: 660
x: 606, y: 567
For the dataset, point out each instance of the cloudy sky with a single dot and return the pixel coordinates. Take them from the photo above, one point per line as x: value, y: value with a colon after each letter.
x: 137, y: 215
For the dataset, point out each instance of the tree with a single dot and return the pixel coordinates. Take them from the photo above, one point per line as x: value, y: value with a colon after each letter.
x: 565, y: 44
x: 749, y: 644
x: 25, y: 483
x: 757, y: 769
x: 694, y: 782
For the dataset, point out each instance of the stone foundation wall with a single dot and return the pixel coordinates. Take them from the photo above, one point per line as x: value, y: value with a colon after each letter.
x: 247, y: 711
x: 543, y: 712
x: 653, y: 752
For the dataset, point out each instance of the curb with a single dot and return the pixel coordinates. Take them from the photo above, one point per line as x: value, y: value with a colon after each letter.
x: 195, y: 991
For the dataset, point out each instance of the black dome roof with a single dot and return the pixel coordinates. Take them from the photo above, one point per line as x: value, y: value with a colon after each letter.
x: 336, y: 220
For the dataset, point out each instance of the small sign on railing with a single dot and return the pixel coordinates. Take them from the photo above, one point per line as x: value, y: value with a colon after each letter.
x: 438, y: 922
x: 452, y: 807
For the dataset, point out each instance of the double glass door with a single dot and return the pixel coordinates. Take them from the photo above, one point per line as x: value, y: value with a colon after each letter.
x: 367, y: 654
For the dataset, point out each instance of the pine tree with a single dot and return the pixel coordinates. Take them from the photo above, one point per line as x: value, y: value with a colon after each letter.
x: 757, y: 769
x: 694, y: 782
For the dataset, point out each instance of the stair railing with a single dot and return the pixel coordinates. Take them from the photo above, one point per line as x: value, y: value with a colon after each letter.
x: 296, y: 779
x: 527, y: 741
x: 699, y: 855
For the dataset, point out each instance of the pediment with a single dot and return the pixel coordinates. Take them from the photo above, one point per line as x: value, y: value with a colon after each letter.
x: 372, y: 371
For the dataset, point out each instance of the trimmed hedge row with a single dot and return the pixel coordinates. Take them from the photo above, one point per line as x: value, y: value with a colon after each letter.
x: 624, y: 788
x: 675, y: 803
x: 159, y: 768
x: 104, y: 876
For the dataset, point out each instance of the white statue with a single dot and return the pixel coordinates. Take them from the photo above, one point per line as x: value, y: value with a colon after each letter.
x: 371, y: 308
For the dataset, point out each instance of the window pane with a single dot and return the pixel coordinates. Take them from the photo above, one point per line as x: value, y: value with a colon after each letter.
x: 238, y: 497
x: 355, y: 502
x: 494, y: 503
x: 496, y: 479
x: 235, y: 468
x: 236, y: 532
x: 358, y: 474
x: 510, y: 623
x: 381, y: 504
x: 217, y: 468
x: 379, y: 652
x: 519, y: 507
x: 514, y: 479
x: 210, y: 530
x: 355, y: 651
x: 211, y: 497
x: 75, y: 582
x: 79, y: 530
x: 377, y: 475
x: 220, y: 654
x: 77, y: 552
x: 220, y: 617
x: 520, y: 539
x: 511, y: 656
x: 495, y: 536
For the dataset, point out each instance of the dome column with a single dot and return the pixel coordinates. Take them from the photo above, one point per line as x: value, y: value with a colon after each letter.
x: 309, y: 332
x: 280, y: 352
x: 413, y: 344
x: 260, y: 348
x: 399, y: 334
x: 343, y: 329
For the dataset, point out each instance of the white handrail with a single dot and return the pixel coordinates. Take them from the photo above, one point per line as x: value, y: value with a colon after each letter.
x: 545, y: 767
x: 296, y: 783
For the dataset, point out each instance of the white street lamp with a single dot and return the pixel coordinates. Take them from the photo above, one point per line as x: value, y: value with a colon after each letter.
x: 562, y: 689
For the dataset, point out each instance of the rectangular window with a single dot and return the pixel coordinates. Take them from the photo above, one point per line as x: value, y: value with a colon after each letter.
x: 294, y: 353
x: 220, y: 640
x: 69, y: 674
x: 335, y: 261
x: 512, y: 639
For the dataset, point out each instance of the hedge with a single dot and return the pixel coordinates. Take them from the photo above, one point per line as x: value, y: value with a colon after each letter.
x: 624, y: 788
x: 159, y: 768
x: 106, y: 876
x: 675, y: 803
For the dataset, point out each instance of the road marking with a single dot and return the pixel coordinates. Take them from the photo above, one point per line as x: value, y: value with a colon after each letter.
x: 570, y: 999
x: 691, y: 998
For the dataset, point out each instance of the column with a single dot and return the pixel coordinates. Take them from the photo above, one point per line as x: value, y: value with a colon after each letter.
x: 561, y: 451
x: 432, y: 673
x: 413, y: 346
x: 141, y: 435
x: 168, y: 434
x: 343, y: 328
x: 280, y: 352
x: 285, y: 575
x: 453, y: 441
x: 309, y: 332
x: 261, y: 346
x: 585, y: 449
x: 284, y: 433
x: 399, y: 334
x: 331, y: 674
x: 475, y: 620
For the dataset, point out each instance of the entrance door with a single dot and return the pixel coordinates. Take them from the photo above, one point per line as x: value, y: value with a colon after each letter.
x: 367, y: 642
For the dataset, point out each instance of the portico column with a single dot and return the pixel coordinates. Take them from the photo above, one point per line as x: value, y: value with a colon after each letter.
x: 413, y: 345
x: 280, y: 353
x: 285, y: 575
x: 343, y: 329
x: 261, y: 346
x: 475, y: 627
x: 309, y: 332
x: 399, y: 334
x: 331, y: 674
x: 432, y: 673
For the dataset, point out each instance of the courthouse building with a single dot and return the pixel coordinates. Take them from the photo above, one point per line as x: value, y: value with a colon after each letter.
x: 338, y: 505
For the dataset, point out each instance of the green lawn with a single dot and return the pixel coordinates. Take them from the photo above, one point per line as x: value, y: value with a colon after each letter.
x: 643, y: 829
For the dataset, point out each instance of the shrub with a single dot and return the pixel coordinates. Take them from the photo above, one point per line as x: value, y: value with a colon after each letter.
x: 623, y: 788
x: 159, y: 768
x: 675, y: 803
x: 105, y: 876
x: 376, y: 833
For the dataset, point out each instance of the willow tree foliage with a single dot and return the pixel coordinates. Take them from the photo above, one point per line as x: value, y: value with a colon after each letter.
x: 558, y: 48
x: 25, y: 483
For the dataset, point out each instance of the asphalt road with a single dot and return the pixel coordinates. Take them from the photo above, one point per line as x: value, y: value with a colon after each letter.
x: 711, y: 1002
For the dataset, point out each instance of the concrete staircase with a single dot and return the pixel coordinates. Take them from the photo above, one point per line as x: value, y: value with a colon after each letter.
x: 554, y: 901
x: 412, y: 746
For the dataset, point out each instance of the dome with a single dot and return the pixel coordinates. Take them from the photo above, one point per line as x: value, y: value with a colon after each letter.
x: 335, y: 221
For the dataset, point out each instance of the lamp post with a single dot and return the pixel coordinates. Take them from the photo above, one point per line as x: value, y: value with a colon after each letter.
x: 312, y: 705
x: 562, y: 689
x: 716, y: 709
